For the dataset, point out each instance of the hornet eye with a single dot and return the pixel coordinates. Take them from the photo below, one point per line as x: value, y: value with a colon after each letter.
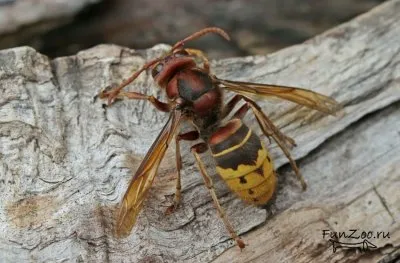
x: 157, y: 69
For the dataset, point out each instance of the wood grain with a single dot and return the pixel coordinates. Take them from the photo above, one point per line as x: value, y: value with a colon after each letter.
x: 66, y: 160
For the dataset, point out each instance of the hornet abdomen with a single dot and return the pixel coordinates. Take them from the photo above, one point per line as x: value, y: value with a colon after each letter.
x: 243, y: 162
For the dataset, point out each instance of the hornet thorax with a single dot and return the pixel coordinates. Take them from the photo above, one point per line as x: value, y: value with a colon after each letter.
x: 198, y: 97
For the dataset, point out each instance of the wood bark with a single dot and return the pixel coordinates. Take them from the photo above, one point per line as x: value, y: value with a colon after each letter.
x: 66, y: 160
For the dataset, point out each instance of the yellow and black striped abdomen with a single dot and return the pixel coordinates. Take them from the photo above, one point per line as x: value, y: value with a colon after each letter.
x: 243, y: 162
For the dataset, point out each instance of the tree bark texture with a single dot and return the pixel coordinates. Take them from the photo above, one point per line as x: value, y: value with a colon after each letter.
x: 65, y: 160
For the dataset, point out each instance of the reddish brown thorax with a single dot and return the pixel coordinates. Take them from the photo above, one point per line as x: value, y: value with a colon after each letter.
x: 190, y: 87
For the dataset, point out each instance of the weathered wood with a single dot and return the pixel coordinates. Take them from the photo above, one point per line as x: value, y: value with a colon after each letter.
x: 63, y: 156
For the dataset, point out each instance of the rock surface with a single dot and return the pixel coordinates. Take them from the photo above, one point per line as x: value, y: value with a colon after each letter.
x: 65, y: 160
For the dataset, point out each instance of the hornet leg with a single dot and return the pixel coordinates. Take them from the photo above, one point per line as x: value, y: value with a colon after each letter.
x: 199, y: 54
x: 162, y: 106
x: 268, y: 128
x: 196, y: 150
x: 189, y: 136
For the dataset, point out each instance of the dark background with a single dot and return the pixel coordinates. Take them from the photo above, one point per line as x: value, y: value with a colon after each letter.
x: 256, y: 27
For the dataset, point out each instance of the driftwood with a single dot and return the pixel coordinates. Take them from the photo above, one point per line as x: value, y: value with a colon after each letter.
x: 65, y: 159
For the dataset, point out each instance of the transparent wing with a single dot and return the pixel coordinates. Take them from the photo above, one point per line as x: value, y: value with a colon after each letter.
x: 143, y: 179
x: 303, y: 97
